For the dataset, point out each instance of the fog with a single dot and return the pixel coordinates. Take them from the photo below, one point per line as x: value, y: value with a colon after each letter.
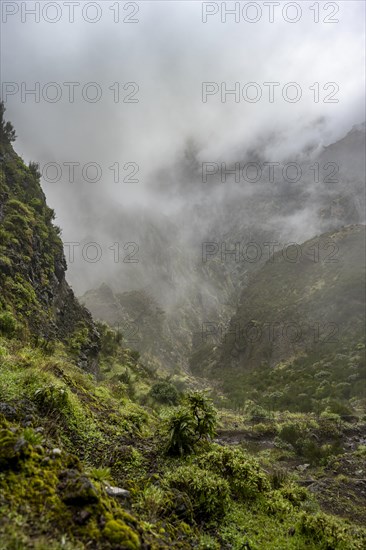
x: 168, y: 133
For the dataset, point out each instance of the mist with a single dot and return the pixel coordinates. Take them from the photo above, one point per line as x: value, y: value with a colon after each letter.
x: 162, y: 140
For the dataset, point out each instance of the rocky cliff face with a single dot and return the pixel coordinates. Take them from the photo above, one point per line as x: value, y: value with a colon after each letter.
x: 35, y: 298
x: 292, y: 306
x: 299, y: 326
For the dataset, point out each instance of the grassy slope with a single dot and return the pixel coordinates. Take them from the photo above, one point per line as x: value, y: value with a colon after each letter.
x: 51, y: 500
x: 64, y: 434
x: 32, y: 266
x: 321, y: 305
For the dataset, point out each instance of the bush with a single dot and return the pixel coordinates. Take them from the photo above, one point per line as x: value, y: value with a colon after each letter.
x: 51, y: 398
x: 193, y: 422
x: 278, y: 477
x: 208, y: 492
x: 329, y: 533
x: 7, y: 132
x: 314, y: 453
x: 256, y: 412
x: 203, y: 413
x: 165, y: 392
x: 34, y: 438
x: 8, y: 324
x: 154, y: 501
x: 294, y: 494
x: 180, y: 429
x: 291, y: 433
x: 101, y: 474
x: 242, y: 472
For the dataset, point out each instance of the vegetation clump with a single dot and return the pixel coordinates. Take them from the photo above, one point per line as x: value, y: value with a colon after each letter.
x: 193, y: 422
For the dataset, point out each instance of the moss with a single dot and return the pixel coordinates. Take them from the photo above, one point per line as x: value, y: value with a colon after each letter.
x: 53, y: 495
x: 13, y: 449
x: 118, y: 532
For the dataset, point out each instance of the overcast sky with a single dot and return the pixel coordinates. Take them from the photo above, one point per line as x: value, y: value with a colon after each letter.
x: 168, y: 53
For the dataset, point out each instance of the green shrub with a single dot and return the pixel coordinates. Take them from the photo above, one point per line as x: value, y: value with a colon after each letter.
x: 242, y: 472
x: 110, y: 339
x: 51, y: 398
x: 193, y: 422
x: 180, y: 429
x: 278, y: 477
x: 154, y: 501
x: 34, y: 438
x: 208, y: 492
x: 203, y: 413
x: 8, y: 324
x: 165, y: 392
x: 256, y: 412
x: 101, y: 474
x: 79, y: 339
x: 294, y: 494
x: 291, y: 433
x: 330, y: 533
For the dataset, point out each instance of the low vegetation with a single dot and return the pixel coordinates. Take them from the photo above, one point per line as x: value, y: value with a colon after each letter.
x: 99, y: 451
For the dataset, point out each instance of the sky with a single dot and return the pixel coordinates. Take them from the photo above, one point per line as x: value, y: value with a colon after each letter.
x: 161, y: 70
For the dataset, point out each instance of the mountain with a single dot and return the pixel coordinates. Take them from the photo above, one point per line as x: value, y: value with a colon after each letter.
x: 34, y: 293
x: 299, y: 324
x: 142, y: 323
x: 185, y: 262
x: 98, y: 450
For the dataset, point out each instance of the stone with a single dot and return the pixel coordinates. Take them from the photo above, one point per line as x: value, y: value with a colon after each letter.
x: 8, y: 411
x: 27, y: 424
x: 76, y: 488
x: 117, y: 492
x: 81, y: 517
x: 20, y: 444
x: 56, y: 452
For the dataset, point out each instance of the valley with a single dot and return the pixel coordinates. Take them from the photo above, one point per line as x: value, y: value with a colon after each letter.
x: 199, y: 404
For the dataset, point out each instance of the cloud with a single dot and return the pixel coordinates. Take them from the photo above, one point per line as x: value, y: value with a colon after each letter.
x: 169, y: 53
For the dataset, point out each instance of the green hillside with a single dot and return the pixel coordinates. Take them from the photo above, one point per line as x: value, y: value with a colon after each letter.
x: 36, y: 301
x: 97, y: 451
x: 299, y: 328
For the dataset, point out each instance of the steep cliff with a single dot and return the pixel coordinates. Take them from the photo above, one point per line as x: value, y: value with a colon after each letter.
x: 35, y: 298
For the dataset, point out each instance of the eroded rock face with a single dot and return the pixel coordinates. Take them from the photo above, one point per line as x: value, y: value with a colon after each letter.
x: 13, y: 448
x: 33, y: 266
x: 76, y: 488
